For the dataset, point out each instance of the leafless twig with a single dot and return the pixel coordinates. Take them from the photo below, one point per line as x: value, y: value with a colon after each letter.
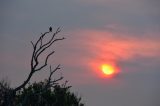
x: 38, y: 48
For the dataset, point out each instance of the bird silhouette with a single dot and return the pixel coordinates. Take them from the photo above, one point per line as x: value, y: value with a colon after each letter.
x: 50, y: 29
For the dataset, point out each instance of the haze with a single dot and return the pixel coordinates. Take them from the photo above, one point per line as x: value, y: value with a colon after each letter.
x: 123, y: 32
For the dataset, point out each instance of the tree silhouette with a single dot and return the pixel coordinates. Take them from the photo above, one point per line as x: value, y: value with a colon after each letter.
x: 46, y: 93
x: 58, y: 95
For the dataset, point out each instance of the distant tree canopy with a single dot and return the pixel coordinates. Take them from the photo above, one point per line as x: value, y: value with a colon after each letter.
x: 45, y: 93
x: 36, y: 95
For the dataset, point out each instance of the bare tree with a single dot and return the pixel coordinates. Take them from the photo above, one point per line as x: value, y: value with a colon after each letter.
x: 39, y: 47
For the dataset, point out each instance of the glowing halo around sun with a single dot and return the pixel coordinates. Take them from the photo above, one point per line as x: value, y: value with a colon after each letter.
x: 104, y: 69
x: 109, y: 70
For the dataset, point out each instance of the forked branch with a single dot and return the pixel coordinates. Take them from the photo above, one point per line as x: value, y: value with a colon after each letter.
x: 38, y: 48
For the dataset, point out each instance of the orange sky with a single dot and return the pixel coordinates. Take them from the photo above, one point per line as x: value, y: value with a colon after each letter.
x: 111, y: 47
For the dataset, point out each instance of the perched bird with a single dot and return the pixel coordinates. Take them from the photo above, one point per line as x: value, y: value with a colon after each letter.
x: 50, y: 29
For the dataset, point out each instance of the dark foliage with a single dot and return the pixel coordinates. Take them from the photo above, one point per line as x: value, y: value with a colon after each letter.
x: 58, y: 95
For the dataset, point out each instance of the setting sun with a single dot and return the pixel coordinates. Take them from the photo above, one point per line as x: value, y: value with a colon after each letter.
x: 108, y: 70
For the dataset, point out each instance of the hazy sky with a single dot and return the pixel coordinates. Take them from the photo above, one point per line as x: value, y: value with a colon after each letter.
x: 125, y: 33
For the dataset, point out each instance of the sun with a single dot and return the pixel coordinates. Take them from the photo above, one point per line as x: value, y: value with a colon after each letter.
x: 108, y: 70
x: 105, y: 70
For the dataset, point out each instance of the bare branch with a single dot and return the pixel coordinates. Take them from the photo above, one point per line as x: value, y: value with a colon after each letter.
x: 57, y: 80
x: 38, y: 49
x: 54, y: 34
x: 33, y: 45
x: 46, y: 60
x: 50, y: 83
x: 41, y: 42
x: 51, y: 72
x: 46, y: 45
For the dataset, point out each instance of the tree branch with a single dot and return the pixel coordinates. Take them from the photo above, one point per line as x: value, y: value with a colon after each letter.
x: 38, y: 49
x: 49, y: 81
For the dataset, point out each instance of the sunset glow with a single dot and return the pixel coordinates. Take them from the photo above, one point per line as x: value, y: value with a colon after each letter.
x: 108, y: 70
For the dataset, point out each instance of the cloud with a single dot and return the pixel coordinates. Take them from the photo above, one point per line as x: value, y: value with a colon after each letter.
x: 118, y: 45
x: 90, y: 48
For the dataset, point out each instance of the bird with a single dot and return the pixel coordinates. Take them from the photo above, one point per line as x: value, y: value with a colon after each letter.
x: 50, y: 29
